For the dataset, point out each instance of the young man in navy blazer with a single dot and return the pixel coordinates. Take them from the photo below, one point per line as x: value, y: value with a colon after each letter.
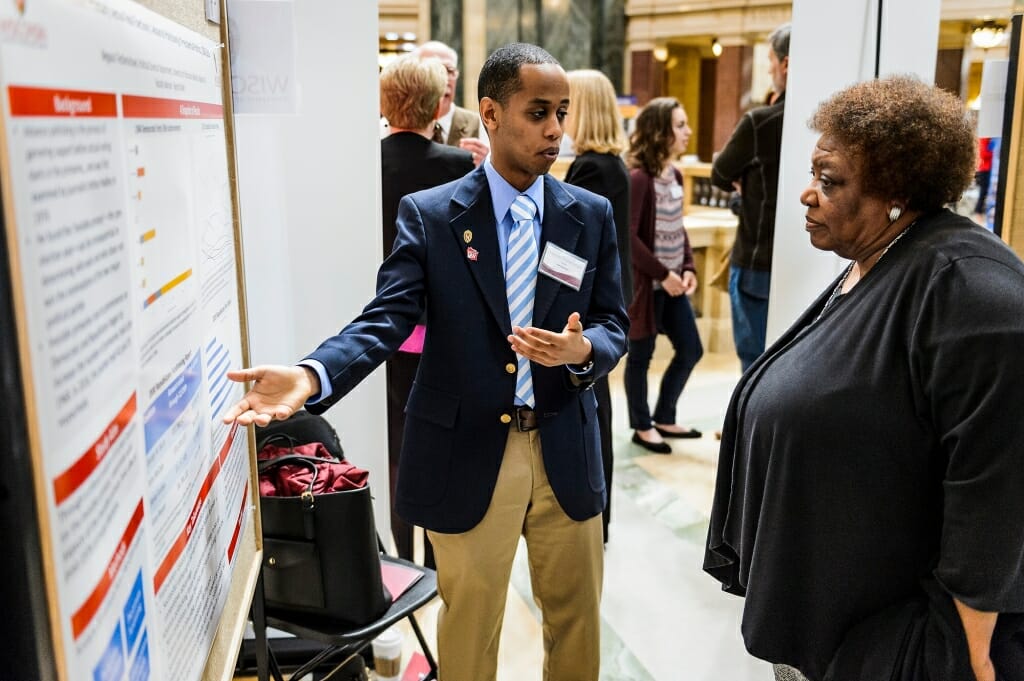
x: 479, y: 466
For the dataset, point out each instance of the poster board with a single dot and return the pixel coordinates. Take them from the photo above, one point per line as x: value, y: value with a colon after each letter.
x: 124, y: 309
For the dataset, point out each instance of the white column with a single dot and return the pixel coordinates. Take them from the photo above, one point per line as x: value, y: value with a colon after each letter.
x: 310, y: 209
x: 833, y: 46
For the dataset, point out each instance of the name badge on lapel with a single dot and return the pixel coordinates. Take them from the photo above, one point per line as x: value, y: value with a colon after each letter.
x: 562, y: 266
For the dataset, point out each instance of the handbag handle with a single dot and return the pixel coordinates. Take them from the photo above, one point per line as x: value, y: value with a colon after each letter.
x: 307, y: 498
x: 309, y: 462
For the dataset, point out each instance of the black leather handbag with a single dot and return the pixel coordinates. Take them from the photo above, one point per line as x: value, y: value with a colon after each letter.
x: 320, y: 550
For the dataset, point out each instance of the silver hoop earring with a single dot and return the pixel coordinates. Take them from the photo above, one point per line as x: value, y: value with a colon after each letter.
x: 894, y: 213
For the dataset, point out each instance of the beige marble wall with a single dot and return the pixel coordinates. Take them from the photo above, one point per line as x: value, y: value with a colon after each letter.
x: 474, y: 53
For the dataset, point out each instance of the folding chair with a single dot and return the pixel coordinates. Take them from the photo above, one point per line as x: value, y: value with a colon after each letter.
x: 341, y: 642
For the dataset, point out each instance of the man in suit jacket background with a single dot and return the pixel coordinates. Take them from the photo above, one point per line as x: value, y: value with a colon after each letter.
x: 479, y: 466
x: 410, y: 97
x: 456, y: 127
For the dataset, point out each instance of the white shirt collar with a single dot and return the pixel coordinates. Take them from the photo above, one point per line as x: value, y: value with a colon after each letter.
x: 446, y: 122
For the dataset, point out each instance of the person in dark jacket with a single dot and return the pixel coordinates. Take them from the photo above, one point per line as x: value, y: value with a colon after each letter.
x: 663, y: 274
x: 868, y: 502
x: 595, y: 126
x: 749, y: 163
x: 411, y: 91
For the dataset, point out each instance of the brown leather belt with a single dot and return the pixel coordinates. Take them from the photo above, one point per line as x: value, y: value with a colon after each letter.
x: 526, y: 419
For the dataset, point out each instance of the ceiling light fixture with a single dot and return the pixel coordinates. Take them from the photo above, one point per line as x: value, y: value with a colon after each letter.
x: 661, y: 52
x: 716, y: 47
x: 988, y: 35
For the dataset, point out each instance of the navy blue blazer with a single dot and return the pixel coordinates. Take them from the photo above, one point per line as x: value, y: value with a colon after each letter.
x: 454, y: 435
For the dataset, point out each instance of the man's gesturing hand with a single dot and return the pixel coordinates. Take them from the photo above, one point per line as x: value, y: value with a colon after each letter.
x: 550, y: 348
x: 277, y: 393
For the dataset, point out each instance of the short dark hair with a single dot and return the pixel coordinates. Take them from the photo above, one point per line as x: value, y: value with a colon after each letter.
x: 779, y: 40
x: 499, y: 77
x: 912, y: 141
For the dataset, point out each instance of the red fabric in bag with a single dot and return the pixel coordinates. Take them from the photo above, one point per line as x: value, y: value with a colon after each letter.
x: 291, y: 480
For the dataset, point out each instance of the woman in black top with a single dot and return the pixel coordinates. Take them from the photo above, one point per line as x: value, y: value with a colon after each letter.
x: 595, y: 126
x: 870, y: 493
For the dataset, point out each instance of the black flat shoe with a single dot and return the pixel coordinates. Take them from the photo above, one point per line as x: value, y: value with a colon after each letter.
x: 656, y: 447
x: 692, y: 433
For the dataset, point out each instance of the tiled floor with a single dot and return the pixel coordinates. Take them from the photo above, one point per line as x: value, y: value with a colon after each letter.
x: 663, y: 618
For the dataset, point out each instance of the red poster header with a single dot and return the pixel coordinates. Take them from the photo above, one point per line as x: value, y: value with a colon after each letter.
x: 154, y: 107
x: 83, y: 616
x: 178, y: 547
x: 65, y: 484
x: 30, y: 101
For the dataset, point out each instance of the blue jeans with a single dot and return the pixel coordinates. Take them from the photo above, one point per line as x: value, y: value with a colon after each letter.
x: 748, y: 293
x: 674, y: 318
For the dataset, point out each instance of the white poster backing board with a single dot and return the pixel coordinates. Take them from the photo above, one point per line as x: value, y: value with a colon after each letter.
x: 822, y: 61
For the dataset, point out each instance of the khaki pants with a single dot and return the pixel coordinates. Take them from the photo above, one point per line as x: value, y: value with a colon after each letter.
x: 566, y: 568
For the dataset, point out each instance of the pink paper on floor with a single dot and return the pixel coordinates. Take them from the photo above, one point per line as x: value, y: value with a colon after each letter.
x: 418, y: 668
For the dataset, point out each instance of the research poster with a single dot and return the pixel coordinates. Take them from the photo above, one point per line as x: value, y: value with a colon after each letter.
x: 118, y: 216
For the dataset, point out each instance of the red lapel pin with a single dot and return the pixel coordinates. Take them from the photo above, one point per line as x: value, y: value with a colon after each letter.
x: 472, y: 253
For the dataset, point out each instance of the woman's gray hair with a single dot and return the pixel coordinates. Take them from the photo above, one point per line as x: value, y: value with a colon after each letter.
x: 779, y: 40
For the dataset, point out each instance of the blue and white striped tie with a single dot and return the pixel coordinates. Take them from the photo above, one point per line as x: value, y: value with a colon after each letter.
x: 521, y: 282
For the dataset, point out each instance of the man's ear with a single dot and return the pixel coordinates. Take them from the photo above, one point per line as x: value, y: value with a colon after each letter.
x: 784, y: 64
x: 490, y: 113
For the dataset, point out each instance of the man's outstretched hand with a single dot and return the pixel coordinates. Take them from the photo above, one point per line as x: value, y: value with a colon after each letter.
x: 553, y: 349
x: 277, y: 393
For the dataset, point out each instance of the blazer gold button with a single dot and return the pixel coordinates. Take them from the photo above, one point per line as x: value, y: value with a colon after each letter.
x: 505, y: 418
x: 510, y: 368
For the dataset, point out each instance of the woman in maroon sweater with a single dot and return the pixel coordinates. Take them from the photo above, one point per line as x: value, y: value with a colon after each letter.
x: 663, y: 273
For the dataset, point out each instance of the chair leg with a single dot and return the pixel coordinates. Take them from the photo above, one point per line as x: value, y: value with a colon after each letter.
x: 320, y: 658
x: 424, y: 647
x: 266, y: 664
x: 275, y: 669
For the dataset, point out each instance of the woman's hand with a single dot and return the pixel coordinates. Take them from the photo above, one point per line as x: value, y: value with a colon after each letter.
x: 689, y: 282
x: 673, y: 284
x: 978, y: 627
x: 983, y: 669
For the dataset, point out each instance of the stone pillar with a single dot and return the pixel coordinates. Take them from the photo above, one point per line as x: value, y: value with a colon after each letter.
x: 647, y: 76
x: 566, y: 31
x: 581, y: 34
x: 474, y: 52
x: 706, y: 121
x: 609, y: 39
x: 948, y: 64
x: 446, y: 26
x: 732, y: 91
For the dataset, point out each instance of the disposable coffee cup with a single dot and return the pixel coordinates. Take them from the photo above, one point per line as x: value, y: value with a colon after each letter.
x: 387, y: 655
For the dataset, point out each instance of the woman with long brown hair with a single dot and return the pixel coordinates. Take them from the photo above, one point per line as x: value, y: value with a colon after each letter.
x: 663, y: 273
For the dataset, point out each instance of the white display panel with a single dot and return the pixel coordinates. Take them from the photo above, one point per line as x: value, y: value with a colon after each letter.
x: 120, y: 221
x: 823, y: 61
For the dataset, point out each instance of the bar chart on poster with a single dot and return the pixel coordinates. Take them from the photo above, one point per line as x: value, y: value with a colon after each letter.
x: 119, y: 224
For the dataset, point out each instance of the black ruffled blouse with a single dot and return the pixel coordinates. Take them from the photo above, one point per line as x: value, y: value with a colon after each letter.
x: 872, y: 466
